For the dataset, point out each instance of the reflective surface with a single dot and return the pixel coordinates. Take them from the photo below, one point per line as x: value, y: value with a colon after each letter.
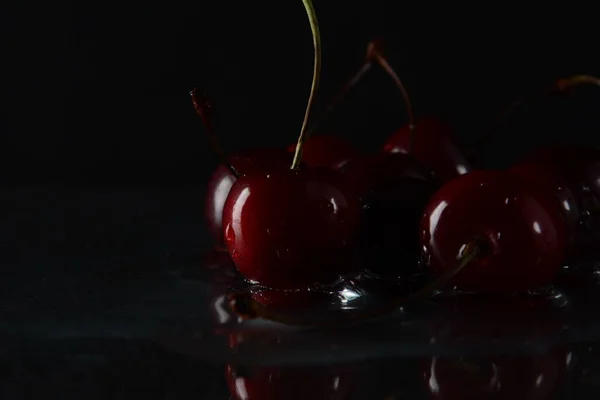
x: 115, y: 300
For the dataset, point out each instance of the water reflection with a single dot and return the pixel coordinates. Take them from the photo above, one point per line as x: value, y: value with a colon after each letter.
x: 291, y: 383
x: 548, y: 375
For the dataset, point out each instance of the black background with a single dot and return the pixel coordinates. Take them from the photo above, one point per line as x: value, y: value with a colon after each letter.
x: 98, y: 91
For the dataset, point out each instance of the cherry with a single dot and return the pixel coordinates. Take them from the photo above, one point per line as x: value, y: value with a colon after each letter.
x: 230, y: 169
x: 572, y: 174
x: 517, y: 230
x: 291, y: 228
x: 526, y: 377
x: 326, y: 151
x: 222, y: 179
x: 393, y: 190
x: 288, y: 228
x: 428, y: 140
x: 432, y: 146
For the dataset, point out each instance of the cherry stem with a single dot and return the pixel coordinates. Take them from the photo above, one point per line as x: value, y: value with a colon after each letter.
x: 314, y: 27
x: 470, y: 252
x: 374, y: 52
x: 560, y: 86
x: 245, y: 306
x: 341, y: 96
x: 203, y: 108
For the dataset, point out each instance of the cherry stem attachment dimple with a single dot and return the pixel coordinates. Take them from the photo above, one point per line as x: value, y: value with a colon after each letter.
x: 374, y: 52
x: 314, y: 27
x: 203, y: 108
x: 248, y: 308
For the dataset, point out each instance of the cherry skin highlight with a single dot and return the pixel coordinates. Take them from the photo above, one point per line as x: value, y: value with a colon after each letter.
x: 433, y: 147
x: 518, y: 230
x: 222, y: 179
x: 572, y: 174
x: 326, y: 151
x: 393, y: 190
x: 289, y: 228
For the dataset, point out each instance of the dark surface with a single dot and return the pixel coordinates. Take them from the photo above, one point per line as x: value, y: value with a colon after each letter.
x: 94, y: 305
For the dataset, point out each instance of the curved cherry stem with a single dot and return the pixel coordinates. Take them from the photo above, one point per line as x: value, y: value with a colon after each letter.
x: 341, y: 96
x: 374, y: 52
x: 248, y: 308
x: 562, y: 85
x: 559, y: 86
x: 203, y: 107
x: 314, y: 27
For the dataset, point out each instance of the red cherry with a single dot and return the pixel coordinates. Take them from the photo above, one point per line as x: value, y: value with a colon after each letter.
x: 288, y: 228
x: 518, y: 230
x: 527, y: 377
x: 394, y: 191
x: 572, y: 174
x: 428, y: 140
x: 326, y: 151
x: 291, y: 228
x: 222, y: 179
x: 433, y: 147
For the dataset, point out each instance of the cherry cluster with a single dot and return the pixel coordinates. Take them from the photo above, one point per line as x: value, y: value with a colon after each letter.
x: 321, y: 209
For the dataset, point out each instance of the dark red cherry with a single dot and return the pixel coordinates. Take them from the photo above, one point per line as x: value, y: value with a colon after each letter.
x: 573, y: 175
x: 433, y: 147
x: 526, y: 377
x: 518, y: 229
x: 393, y: 190
x: 222, y: 179
x: 326, y: 151
x: 277, y: 383
x: 287, y: 229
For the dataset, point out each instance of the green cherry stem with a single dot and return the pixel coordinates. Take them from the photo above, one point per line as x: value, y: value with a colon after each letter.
x: 374, y: 52
x: 246, y: 307
x: 203, y: 108
x: 341, y: 96
x: 564, y: 84
x: 559, y: 86
x: 314, y: 27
